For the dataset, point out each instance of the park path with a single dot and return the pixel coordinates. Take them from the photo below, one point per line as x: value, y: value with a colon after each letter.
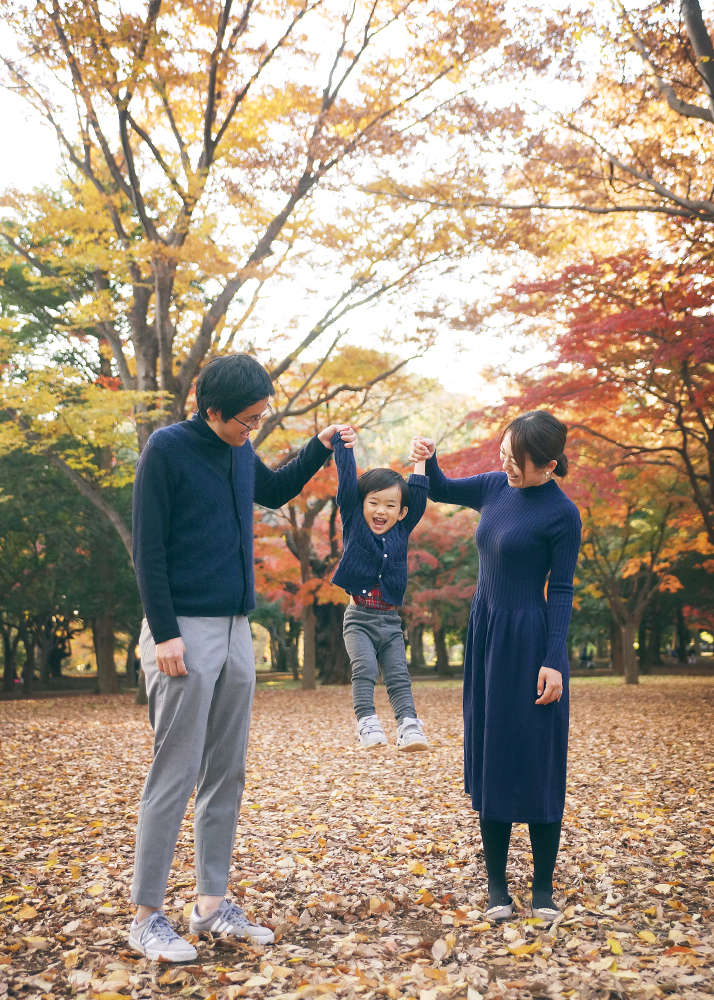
x: 368, y: 865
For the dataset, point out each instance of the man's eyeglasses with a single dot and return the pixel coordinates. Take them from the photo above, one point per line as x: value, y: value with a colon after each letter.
x: 254, y: 421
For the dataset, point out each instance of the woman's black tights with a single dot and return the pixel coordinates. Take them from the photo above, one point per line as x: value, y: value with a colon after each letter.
x: 545, y: 840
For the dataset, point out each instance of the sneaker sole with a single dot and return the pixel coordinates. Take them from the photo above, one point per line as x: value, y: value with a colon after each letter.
x: 158, y: 956
x: 267, y: 938
x: 373, y: 746
x: 415, y: 747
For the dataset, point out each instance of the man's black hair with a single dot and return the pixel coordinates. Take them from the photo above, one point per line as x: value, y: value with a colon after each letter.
x: 382, y: 479
x: 231, y: 384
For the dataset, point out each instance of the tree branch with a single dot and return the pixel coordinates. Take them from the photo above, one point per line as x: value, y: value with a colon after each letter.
x: 91, y: 492
x: 702, y: 45
x: 661, y: 86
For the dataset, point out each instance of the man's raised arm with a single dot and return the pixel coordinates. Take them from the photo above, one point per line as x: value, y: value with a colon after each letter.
x: 274, y: 487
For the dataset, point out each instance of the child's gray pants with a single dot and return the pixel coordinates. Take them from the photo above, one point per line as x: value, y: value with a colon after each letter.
x: 201, y: 724
x: 374, y: 639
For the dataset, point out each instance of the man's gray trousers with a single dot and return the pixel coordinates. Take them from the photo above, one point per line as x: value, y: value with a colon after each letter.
x: 201, y: 723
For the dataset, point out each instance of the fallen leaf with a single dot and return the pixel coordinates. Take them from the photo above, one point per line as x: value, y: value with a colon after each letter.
x: 26, y: 912
x: 525, y: 949
x: 416, y: 868
x: 439, y: 949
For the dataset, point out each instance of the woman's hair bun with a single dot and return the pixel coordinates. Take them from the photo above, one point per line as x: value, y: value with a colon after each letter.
x: 540, y: 435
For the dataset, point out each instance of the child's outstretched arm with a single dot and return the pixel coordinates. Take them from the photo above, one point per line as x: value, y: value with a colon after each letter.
x: 347, y: 493
x: 419, y: 454
x: 418, y: 487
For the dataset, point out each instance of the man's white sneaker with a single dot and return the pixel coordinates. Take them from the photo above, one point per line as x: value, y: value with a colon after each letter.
x: 370, y: 733
x: 229, y: 919
x: 410, y: 737
x: 155, y: 938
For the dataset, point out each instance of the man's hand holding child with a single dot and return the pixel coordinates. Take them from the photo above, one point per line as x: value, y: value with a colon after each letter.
x: 346, y: 432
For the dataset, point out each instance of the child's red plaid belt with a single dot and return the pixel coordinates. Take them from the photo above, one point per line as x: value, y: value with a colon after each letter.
x: 373, y: 599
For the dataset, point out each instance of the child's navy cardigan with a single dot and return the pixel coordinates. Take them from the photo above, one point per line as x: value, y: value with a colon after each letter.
x: 370, y: 560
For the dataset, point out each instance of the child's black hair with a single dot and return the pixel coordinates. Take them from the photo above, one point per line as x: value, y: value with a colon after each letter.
x: 382, y: 479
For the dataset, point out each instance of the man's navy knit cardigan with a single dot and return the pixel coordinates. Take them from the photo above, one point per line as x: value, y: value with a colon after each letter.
x: 370, y: 560
x: 193, y: 521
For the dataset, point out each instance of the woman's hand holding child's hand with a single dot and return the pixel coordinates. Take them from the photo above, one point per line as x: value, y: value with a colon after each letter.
x: 421, y: 448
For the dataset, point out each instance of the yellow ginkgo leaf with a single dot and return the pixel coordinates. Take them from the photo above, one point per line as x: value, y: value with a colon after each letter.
x: 95, y: 889
x: 525, y: 949
x: 615, y: 946
x: 648, y: 936
x: 416, y: 868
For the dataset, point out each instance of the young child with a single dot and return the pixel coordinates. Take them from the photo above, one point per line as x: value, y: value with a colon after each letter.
x: 379, y: 511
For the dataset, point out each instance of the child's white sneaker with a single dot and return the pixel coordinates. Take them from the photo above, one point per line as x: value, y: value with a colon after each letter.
x: 370, y: 732
x: 410, y: 737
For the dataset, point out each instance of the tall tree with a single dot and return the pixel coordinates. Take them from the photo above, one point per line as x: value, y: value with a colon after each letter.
x: 206, y: 151
x: 640, y: 140
x: 634, y: 366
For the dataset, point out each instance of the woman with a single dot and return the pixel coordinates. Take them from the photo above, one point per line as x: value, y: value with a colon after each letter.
x: 516, y: 663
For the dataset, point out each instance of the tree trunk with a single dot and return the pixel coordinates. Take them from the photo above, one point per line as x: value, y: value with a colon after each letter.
x: 697, y: 643
x: 28, y: 670
x: 601, y: 646
x: 416, y: 646
x: 442, y: 653
x: 294, y: 629
x: 278, y: 651
x: 103, y: 633
x: 46, y: 640
x: 9, y: 653
x: 629, y: 658
x: 643, y: 653
x: 131, y: 677
x: 333, y: 663
x: 682, y: 636
x: 618, y: 665
x: 309, y: 666
x: 655, y: 648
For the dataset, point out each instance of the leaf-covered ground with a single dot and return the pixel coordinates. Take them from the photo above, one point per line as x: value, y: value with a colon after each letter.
x: 368, y: 866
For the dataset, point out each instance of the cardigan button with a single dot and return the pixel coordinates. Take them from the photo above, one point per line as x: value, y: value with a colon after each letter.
x: 364, y: 591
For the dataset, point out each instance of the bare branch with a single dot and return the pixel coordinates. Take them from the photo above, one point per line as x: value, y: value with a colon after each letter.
x: 91, y: 492
x: 658, y: 82
x: 170, y: 175
x: 702, y: 45
x: 468, y: 203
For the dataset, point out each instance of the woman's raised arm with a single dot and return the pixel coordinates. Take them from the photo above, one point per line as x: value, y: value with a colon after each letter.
x: 468, y: 492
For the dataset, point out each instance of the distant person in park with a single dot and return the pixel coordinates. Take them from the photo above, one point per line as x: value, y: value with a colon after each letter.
x: 516, y: 665
x: 379, y: 510
x: 196, y: 483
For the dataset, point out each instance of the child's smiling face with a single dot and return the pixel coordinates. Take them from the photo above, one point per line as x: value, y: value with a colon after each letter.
x: 383, y: 508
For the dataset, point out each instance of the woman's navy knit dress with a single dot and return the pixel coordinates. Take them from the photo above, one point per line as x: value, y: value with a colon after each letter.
x: 515, y: 752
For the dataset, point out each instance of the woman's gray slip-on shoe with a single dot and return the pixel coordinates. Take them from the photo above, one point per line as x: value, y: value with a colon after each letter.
x: 500, y: 912
x: 546, y: 914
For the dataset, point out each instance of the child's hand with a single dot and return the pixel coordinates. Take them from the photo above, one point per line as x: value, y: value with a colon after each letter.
x: 346, y: 432
x: 421, y: 449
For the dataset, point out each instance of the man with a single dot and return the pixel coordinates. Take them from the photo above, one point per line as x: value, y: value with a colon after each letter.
x: 196, y: 483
